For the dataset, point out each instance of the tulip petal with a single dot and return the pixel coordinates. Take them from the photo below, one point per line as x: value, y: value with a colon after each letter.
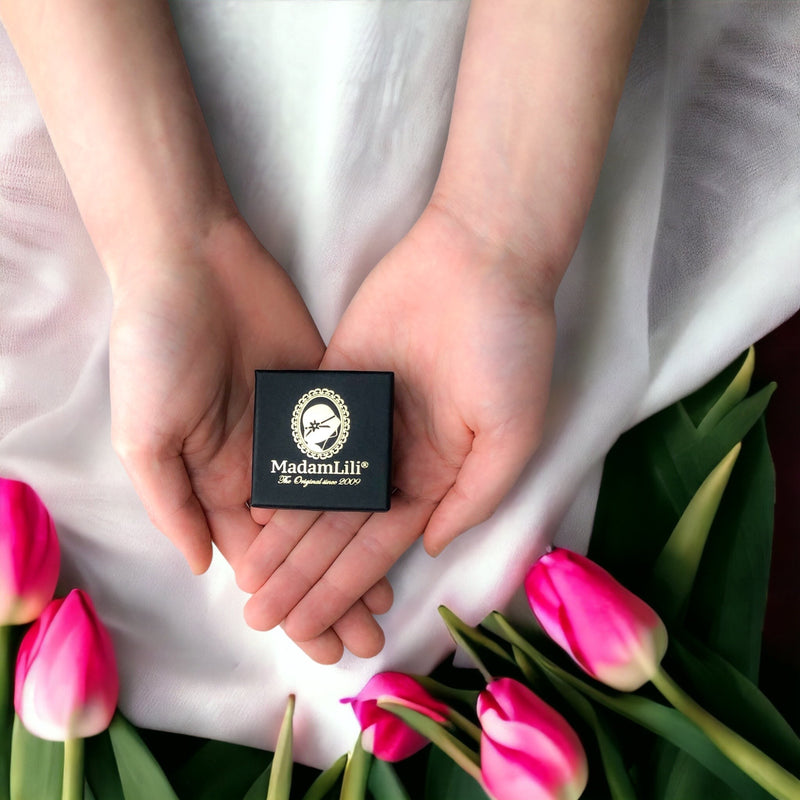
x: 66, y: 678
x: 610, y: 632
x: 528, y: 750
x: 392, y: 741
x: 535, y: 737
x: 29, y: 554
x: 384, y: 734
x: 508, y: 776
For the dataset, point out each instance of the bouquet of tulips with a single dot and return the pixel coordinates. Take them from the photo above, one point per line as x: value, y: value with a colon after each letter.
x: 527, y: 749
x: 587, y: 672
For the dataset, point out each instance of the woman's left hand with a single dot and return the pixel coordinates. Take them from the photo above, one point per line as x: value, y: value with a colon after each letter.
x: 469, y: 334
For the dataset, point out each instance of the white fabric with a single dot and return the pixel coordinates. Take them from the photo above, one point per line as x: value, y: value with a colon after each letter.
x: 330, y: 120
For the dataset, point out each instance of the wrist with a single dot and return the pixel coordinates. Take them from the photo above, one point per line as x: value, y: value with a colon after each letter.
x: 533, y: 262
x: 117, y: 97
x: 152, y: 247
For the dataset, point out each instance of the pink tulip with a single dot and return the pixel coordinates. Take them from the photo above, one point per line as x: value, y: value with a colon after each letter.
x: 528, y: 750
x: 29, y: 554
x: 610, y: 632
x: 66, y: 684
x: 384, y: 734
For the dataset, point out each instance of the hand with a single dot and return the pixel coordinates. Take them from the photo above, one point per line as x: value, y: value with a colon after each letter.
x: 469, y: 332
x: 188, y: 331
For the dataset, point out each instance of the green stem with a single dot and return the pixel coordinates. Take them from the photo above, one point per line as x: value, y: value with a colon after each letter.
x: 461, y: 756
x: 446, y: 693
x: 760, y: 767
x: 466, y: 758
x: 72, y: 787
x: 466, y: 725
x: 5, y: 665
x: 6, y: 710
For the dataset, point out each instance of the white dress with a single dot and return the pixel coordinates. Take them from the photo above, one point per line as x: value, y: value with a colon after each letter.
x: 330, y: 120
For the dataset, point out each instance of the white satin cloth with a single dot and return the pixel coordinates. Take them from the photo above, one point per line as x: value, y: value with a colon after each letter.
x: 330, y: 120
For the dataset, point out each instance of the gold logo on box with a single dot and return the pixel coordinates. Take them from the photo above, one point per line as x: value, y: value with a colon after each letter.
x: 320, y: 423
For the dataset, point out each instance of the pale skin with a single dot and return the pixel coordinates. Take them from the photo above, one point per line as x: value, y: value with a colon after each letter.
x: 471, y: 287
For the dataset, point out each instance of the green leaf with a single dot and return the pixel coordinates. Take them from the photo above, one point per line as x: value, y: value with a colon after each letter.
x: 537, y: 679
x: 474, y: 642
x: 218, y: 771
x: 326, y: 780
x: 729, y: 600
x: 383, y: 782
x: 677, y: 729
x: 735, y: 392
x: 732, y: 428
x: 675, y: 569
x: 641, y: 491
x: 447, y: 694
x: 445, y: 780
x: 776, y: 779
x: 678, y: 776
x: 36, y: 766
x: 258, y: 790
x: 101, y: 770
x: 280, y: 779
x: 651, y: 474
x: 700, y: 402
x: 356, y: 773
x: 467, y: 759
x: 735, y: 700
x: 139, y: 772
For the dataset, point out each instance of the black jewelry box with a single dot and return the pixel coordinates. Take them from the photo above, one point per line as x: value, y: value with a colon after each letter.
x: 322, y: 440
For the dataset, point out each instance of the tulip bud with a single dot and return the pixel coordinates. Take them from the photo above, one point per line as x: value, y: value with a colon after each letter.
x: 528, y: 750
x: 384, y: 734
x: 29, y: 554
x: 66, y: 684
x: 610, y: 632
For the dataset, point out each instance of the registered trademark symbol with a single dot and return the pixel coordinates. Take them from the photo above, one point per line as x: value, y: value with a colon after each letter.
x: 364, y: 464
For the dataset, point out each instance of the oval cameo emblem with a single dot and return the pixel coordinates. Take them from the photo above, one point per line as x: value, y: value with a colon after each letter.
x: 320, y: 423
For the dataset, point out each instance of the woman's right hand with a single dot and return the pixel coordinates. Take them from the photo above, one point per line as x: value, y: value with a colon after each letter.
x: 188, y: 331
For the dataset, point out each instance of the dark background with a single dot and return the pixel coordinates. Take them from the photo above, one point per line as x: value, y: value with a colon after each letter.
x: 778, y: 359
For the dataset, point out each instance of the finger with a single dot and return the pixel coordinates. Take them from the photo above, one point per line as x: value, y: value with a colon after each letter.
x: 379, y: 598
x: 282, y: 533
x: 302, y: 568
x: 161, y: 481
x: 233, y: 531
x: 262, y: 516
x: 488, y: 473
x: 327, y: 648
x: 359, y: 632
x: 368, y: 557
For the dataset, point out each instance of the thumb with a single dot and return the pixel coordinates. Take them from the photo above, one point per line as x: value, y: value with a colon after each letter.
x: 160, y: 478
x: 488, y: 473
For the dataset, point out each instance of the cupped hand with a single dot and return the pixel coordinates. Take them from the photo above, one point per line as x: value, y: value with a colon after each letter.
x: 188, y: 330
x: 468, y: 330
